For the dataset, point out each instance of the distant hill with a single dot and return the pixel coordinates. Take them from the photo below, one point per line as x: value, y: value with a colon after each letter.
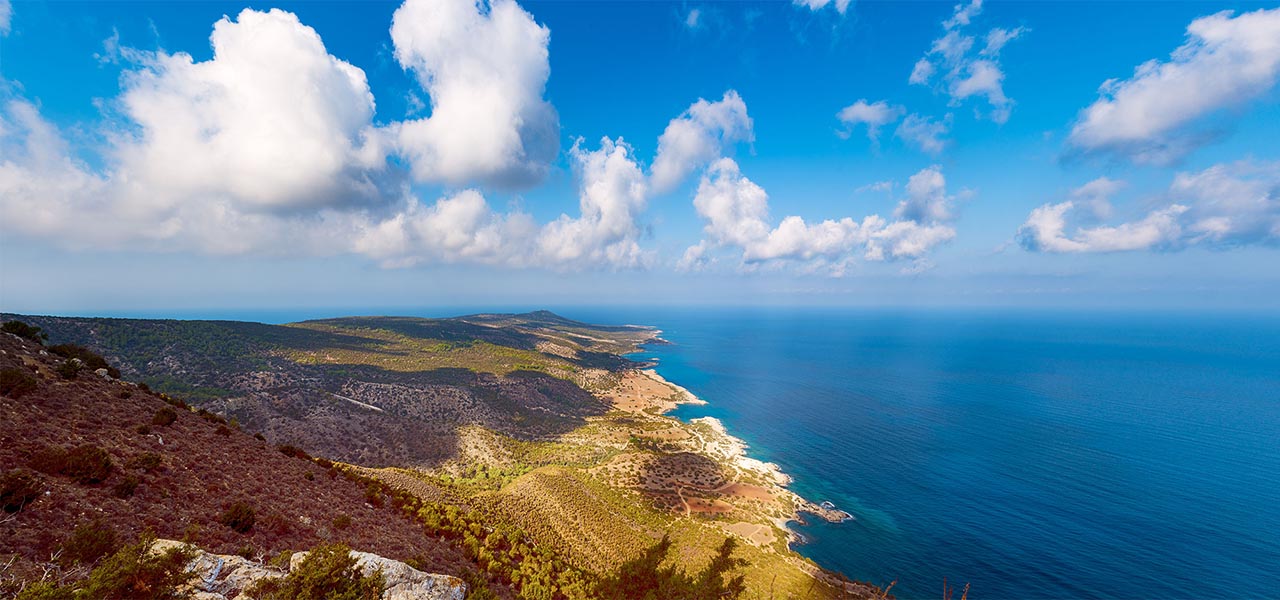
x: 370, y: 390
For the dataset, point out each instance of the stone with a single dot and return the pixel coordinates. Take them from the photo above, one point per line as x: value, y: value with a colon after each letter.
x: 222, y: 576
x: 403, y: 582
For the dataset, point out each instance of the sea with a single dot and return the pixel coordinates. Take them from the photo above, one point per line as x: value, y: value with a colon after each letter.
x: 1028, y: 454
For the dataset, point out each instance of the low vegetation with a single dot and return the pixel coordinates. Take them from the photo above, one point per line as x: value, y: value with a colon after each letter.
x: 328, y: 572
x: 133, y: 572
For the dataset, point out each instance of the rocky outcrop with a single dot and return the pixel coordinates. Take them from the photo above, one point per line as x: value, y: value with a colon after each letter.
x: 222, y: 576
x: 403, y: 582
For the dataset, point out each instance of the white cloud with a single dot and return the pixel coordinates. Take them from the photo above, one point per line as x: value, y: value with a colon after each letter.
x: 461, y: 228
x: 874, y: 115
x: 697, y: 137
x: 878, y: 186
x: 997, y: 38
x: 965, y: 73
x: 485, y: 68
x: 234, y: 129
x: 962, y: 14
x: 1225, y: 62
x: 1223, y: 206
x: 815, y: 5
x: 612, y: 193
x: 921, y: 72
x: 736, y: 213
x: 6, y: 17
x: 924, y: 133
x: 927, y: 198
x: 693, y: 20
x: 217, y: 156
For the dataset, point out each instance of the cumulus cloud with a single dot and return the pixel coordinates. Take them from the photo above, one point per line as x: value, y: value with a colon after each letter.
x: 485, y: 69
x: 1225, y: 62
x: 219, y: 156
x: 697, y: 137
x: 1226, y: 205
x: 815, y: 5
x: 874, y: 115
x: 612, y: 193
x: 236, y: 129
x: 736, y: 212
x: 965, y: 73
x: 926, y: 134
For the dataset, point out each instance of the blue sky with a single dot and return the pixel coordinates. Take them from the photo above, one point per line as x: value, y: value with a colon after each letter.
x: 1032, y: 154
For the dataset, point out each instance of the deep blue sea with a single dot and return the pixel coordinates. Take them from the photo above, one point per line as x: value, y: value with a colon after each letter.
x: 1031, y: 455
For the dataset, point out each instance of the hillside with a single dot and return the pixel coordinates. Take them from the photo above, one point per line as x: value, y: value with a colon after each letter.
x: 108, y: 460
x: 370, y: 390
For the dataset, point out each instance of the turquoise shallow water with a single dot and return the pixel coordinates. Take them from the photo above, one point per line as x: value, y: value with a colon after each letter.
x: 1032, y: 455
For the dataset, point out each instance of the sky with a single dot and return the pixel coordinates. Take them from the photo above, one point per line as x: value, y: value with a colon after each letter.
x: 158, y: 156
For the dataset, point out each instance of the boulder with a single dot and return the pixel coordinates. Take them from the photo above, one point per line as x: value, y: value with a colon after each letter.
x: 223, y: 576
x: 403, y: 582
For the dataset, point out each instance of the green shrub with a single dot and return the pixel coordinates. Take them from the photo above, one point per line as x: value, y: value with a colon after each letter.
x: 239, y: 517
x: 147, y: 461
x: 132, y: 573
x: 69, y: 369
x: 341, y: 522
x: 88, y: 543
x: 18, y: 488
x: 22, y: 330
x: 645, y: 577
x: 15, y: 383
x: 164, y: 417
x: 293, y: 451
x: 85, y: 464
x: 88, y: 464
x: 328, y: 572
x: 125, y: 487
x: 87, y: 357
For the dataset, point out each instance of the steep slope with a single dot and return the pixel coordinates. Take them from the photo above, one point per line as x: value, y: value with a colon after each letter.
x: 108, y: 456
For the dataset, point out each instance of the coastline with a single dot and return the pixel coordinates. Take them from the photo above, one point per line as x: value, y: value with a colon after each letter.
x: 718, y: 443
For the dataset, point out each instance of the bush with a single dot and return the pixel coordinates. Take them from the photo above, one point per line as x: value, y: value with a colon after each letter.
x: 223, y: 430
x: 125, y: 487
x: 143, y: 429
x: 132, y: 572
x: 14, y: 383
x: 341, y: 522
x: 18, y: 488
x: 147, y: 461
x: 88, y: 543
x: 22, y: 330
x: 328, y: 572
x: 239, y: 517
x: 85, y: 464
x: 293, y: 451
x: 69, y: 369
x: 87, y: 357
x: 164, y: 417
x: 88, y: 464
